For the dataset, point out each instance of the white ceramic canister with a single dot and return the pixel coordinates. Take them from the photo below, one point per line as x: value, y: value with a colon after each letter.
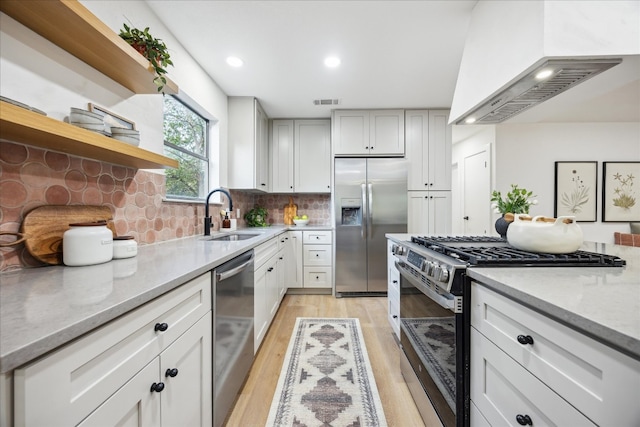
x: 87, y: 243
x: 124, y: 247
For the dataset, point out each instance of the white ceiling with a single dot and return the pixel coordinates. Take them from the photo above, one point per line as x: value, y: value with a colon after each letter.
x: 395, y: 54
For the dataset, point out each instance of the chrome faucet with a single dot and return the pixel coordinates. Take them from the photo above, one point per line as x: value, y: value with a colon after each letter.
x: 207, y: 218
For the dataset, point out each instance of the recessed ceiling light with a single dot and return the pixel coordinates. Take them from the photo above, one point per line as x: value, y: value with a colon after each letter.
x: 234, y: 61
x: 332, y: 61
x: 544, y: 74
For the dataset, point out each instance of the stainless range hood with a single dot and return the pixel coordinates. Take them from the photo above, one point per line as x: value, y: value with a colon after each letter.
x: 542, y: 82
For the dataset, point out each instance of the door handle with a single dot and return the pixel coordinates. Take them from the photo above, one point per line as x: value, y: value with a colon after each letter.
x: 466, y: 217
x: 370, y: 208
x: 365, y: 212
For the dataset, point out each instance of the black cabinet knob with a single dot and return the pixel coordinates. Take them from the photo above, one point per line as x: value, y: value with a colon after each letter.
x: 525, y: 339
x: 281, y: 258
x: 157, y: 387
x: 524, y: 420
x: 395, y: 316
x: 270, y: 269
x: 171, y: 373
x: 161, y: 327
x: 395, y: 281
x: 465, y: 217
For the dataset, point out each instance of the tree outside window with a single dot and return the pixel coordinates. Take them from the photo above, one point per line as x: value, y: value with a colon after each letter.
x: 186, y: 140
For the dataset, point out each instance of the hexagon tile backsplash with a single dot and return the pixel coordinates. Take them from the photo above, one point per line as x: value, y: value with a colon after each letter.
x: 32, y: 177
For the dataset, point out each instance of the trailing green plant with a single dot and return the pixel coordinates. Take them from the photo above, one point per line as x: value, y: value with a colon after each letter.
x: 517, y: 201
x: 154, y: 49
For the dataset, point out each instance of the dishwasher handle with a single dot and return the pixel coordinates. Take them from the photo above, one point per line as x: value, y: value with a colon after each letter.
x: 226, y: 274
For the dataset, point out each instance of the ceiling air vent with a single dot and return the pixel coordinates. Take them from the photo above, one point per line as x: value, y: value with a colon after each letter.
x: 326, y: 101
x: 532, y: 90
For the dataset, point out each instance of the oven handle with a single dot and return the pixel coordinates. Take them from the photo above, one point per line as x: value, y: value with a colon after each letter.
x: 441, y: 300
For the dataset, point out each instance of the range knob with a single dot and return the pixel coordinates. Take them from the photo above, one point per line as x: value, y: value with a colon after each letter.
x: 398, y: 250
x: 442, y: 274
x: 429, y: 267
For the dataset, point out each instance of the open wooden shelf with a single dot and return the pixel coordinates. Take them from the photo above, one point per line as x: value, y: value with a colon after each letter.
x: 71, y: 26
x: 26, y: 127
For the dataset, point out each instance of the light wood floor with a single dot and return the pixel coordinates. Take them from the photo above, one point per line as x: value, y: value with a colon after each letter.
x: 252, y: 407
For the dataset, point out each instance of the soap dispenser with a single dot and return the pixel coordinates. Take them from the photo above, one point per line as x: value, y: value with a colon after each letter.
x: 226, y: 222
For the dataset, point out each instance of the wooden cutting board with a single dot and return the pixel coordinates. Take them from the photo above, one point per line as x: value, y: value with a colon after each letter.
x: 44, y: 226
x: 290, y: 211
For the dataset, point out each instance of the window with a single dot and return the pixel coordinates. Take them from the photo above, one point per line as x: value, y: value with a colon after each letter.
x: 186, y: 139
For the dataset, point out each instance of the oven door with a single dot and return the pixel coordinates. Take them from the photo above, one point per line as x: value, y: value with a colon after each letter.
x: 432, y: 337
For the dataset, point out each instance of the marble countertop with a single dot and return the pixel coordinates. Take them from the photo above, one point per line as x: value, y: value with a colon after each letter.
x: 601, y: 302
x: 44, y: 308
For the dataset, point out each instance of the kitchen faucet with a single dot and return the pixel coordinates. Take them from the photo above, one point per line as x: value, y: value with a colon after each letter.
x: 207, y: 218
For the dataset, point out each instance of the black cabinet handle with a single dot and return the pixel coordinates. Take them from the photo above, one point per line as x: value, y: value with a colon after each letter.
x: 524, y: 420
x: 525, y: 339
x: 270, y: 269
x: 171, y: 373
x: 465, y: 217
x: 161, y: 327
x: 395, y: 281
x: 395, y: 316
x: 281, y: 258
x: 157, y: 387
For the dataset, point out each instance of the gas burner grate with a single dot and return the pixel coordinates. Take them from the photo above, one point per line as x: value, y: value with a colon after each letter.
x: 489, y: 251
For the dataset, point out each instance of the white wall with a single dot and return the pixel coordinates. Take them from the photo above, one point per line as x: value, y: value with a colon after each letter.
x: 38, y: 73
x: 525, y: 154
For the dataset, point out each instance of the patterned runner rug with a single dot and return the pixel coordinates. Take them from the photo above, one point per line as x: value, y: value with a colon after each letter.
x: 326, y: 378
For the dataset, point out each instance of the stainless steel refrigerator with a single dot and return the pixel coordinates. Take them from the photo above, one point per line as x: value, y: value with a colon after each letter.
x: 370, y: 200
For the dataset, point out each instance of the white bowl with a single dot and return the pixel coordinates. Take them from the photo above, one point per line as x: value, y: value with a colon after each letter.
x: 301, y: 222
x: 129, y: 139
x: 124, y: 131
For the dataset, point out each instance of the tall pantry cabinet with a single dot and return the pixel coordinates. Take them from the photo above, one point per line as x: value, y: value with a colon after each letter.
x: 428, y: 149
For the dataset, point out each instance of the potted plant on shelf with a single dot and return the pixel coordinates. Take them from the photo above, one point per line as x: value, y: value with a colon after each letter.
x: 517, y: 201
x: 155, y: 50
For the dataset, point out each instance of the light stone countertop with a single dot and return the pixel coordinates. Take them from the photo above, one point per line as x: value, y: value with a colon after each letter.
x: 44, y: 308
x: 601, y: 302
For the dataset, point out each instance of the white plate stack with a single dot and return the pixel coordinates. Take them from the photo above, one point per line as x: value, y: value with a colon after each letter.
x: 88, y: 120
x: 130, y: 136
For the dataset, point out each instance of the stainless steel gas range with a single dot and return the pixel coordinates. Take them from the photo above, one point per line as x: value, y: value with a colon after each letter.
x: 435, y: 310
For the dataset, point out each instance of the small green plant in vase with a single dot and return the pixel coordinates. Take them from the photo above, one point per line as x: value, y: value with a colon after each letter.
x: 517, y: 201
x: 154, y: 49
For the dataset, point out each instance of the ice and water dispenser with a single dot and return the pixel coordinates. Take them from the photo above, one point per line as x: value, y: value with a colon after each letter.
x: 351, y: 212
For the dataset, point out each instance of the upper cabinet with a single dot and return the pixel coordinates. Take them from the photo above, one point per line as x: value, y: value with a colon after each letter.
x: 71, y: 26
x: 368, y: 132
x: 428, y: 138
x: 301, y: 156
x: 248, y: 145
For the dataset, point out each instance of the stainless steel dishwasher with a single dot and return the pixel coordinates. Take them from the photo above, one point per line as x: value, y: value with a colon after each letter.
x: 232, y: 331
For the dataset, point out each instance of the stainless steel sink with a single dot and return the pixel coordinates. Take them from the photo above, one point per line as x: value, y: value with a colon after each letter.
x: 226, y: 237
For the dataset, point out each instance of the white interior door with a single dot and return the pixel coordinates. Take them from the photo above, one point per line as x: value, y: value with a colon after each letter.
x: 476, y: 205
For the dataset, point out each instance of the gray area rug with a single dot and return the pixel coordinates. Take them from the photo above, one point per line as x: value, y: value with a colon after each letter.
x: 434, y: 339
x: 326, y: 378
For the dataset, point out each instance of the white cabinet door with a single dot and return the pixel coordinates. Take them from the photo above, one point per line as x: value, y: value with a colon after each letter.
x: 429, y: 212
x: 186, y: 371
x: 133, y: 405
x: 350, y: 132
x: 248, y: 154
x: 282, y: 156
x: 439, y: 164
x: 262, y: 148
x: 293, y: 260
x: 386, y: 134
x: 312, y: 156
x: 428, y: 144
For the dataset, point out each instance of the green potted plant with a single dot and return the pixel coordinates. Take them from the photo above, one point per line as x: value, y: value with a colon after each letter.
x: 154, y: 49
x: 517, y: 201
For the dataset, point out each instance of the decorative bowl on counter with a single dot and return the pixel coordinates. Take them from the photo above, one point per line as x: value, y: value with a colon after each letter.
x: 545, y: 235
x: 301, y: 222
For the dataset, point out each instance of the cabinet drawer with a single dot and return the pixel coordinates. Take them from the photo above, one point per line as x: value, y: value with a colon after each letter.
x: 317, y: 277
x: 319, y: 237
x: 317, y: 255
x: 502, y: 390
x: 63, y: 387
x: 594, y: 378
x: 264, y: 251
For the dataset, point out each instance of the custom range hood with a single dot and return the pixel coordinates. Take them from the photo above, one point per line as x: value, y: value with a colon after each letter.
x: 520, y: 54
x: 545, y: 81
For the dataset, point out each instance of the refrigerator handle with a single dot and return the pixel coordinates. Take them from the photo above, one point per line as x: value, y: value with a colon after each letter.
x: 370, y: 209
x: 365, y: 219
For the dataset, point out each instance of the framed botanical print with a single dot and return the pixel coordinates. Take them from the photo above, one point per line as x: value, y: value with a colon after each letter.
x: 620, y: 191
x: 576, y: 190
